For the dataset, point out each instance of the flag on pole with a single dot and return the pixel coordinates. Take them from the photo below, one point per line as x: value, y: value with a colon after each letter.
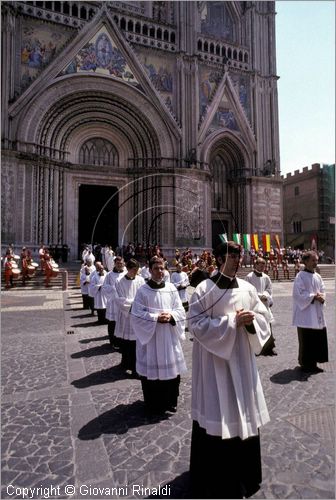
x: 223, y: 238
x: 255, y: 242
x: 236, y: 238
x: 277, y: 240
x: 266, y: 239
x: 247, y: 241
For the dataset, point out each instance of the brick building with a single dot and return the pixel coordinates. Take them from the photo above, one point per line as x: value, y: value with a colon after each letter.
x: 309, y: 208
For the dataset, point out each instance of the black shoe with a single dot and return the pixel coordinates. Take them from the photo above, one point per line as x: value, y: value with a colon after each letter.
x: 154, y: 412
x: 309, y: 369
x: 318, y: 370
x: 121, y: 366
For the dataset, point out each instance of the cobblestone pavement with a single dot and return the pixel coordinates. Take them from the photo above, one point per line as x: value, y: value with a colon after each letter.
x: 73, y: 425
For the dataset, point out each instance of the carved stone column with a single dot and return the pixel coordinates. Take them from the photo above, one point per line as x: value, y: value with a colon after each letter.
x: 8, y: 22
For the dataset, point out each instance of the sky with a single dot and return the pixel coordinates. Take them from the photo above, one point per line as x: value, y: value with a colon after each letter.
x: 305, y: 41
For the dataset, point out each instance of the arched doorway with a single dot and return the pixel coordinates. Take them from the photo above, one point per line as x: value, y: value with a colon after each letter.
x: 228, y: 200
x: 97, y: 215
x: 97, y: 204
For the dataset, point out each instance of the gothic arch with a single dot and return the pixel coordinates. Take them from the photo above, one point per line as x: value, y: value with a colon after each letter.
x: 98, y: 151
x: 94, y: 130
x: 229, y: 141
x: 74, y: 102
x: 229, y: 164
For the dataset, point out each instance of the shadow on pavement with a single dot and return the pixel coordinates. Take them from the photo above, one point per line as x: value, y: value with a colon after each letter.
x: 87, y: 325
x: 94, y: 339
x: 99, y: 350
x: 289, y: 375
x: 86, y: 315
x: 76, y: 309
x: 118, y: 420
x: 177, y: 488
x: 101, y: 377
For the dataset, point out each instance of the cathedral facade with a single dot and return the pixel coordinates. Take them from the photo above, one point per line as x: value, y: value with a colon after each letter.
x: 142, y: 121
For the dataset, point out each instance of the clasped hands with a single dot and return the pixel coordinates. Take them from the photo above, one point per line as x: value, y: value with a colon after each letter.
x: 244, y: 317
x: 164, y: 317
x: 320, y: 298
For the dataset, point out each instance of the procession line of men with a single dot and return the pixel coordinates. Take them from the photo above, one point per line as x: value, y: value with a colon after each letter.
x: 229, y: 320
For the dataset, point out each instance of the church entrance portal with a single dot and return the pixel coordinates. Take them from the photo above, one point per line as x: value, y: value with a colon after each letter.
x: 94, y: 224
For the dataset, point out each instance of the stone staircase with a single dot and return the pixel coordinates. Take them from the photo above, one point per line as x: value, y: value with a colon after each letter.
x: 327, y: 271
x: 38, y: 280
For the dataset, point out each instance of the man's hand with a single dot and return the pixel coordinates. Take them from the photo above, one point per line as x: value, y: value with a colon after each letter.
x: 164, y: 317
x: 244, y: 317
x: 320, y: 298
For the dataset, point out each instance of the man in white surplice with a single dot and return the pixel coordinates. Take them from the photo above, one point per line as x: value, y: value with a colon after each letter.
x: 109, y: 292
x: 263, y: 284
x: 126, y: 288
x: 308, y: 315
x: 230, y: 325
x: 181, y: 281
x: 158, y: 320
x: 97, y: 279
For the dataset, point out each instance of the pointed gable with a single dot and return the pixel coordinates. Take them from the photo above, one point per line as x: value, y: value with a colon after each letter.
x: 101, y: 49
x: 226, y: 111
x: 101, y: 55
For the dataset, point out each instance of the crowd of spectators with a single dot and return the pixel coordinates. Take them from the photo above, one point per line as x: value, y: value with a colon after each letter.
x: 276, y: 258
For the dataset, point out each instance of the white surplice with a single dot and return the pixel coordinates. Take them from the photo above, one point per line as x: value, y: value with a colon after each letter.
x: 125, y: 293
x: 227, y: 397
x: 95, y: 289
x: 109, y: 293
x: 158, y: 349
x: 145, y: 273
x: 306, y: 313
x: 85, y: 278
x: 263, y: 285
x: 166, y: 276
x: 181, y: 279
x: 109, y: 259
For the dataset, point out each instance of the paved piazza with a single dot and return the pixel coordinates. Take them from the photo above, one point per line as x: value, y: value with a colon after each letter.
x: 73, y: 426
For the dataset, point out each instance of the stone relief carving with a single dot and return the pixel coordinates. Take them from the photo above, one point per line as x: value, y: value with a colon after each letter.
x: 189, y: 212
x: 267, y: 208
x: 7, y: 202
